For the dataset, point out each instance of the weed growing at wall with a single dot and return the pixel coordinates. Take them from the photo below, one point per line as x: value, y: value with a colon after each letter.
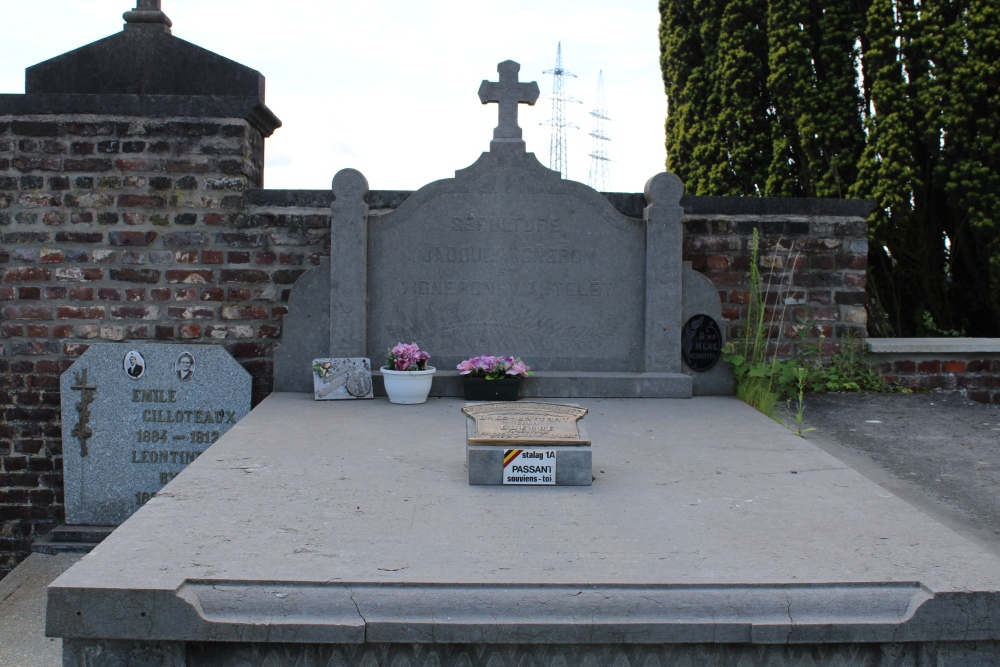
x: 765, y: 381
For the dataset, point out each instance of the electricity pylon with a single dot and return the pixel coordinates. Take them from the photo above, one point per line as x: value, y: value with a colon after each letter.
x: 598, y: 177
x: 557, y: 142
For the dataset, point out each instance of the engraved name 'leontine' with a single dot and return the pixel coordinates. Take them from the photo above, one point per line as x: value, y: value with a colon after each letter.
x: 508, y: 288
x: 494, y: 255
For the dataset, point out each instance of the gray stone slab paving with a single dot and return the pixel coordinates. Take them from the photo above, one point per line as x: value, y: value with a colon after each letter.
x: 22, y: 612
x: 707, y: 523
x: 938, y: 451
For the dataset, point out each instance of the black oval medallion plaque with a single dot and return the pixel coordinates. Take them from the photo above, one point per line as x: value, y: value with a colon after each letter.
x: 701, y: 343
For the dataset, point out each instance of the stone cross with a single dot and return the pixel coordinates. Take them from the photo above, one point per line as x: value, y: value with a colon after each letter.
x: 508, y: 93
x: 82, y: 430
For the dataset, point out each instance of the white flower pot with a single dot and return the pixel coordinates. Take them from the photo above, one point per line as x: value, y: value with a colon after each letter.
x: 408, y: 387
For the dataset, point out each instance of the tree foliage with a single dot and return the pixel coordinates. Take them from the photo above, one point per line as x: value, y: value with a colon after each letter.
x: 896, y: 100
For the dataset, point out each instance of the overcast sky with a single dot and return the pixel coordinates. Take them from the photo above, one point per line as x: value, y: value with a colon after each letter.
x: 389, y: 87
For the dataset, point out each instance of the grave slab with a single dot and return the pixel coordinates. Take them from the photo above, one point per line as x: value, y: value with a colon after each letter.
x: 348, y: 533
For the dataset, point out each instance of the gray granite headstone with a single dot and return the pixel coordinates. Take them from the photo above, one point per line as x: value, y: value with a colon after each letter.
x: 506, y: 257
x: 135, y: 415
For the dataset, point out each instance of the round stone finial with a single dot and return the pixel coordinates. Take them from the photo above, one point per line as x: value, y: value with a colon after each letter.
x: 147, y: 12
x: 664, y: 189
x: 349, y: 184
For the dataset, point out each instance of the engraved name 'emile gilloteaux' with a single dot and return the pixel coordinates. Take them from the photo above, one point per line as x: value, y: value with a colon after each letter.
x: 198, y: 427
x: 526, y: 423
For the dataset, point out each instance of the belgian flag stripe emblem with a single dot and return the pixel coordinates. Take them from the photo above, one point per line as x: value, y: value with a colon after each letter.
x: 509, y: 455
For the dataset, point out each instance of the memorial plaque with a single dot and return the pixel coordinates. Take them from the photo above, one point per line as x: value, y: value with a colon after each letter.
x: 342, y: 379
x: 701, y: 343
x: 135, y: 415
x: 526, y: 423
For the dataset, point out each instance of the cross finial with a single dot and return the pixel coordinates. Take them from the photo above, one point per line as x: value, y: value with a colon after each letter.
x: 147, y: 13
x: 508, y: 93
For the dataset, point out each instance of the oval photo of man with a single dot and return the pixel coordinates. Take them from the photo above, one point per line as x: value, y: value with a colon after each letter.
x: 134, y: 364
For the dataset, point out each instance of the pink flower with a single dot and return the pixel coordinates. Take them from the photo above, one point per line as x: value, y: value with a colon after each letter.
x: 518, y: 368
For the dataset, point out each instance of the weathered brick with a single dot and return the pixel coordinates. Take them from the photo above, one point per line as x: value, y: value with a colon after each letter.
x: 190, y: 276
x: 141, y: 201
x: 54, y: 292
x: 189, y: 331
x: 81, y: 312
x: 79, y: 237
x: 243, y: 276
x: 87, y: 164
x: 133, y: 257
x: 186, y: 256
x: 145, y: 276
x: 134, y: 294
x: 24, y: 274
x: 27, y: 312
x: 183, y: 239
x: 140, y: 164
x: 185, y: 219
x: 131, y: 238
x: 110, y: 146
x: 135, y: 312
x: 33, y: 347
x: 189, y: 166
x: 244, y: 313
x: 79, y: 275
x: 133, y: 146
x: 212, y: 294
x: 190, y: 313
x: 232, y: 184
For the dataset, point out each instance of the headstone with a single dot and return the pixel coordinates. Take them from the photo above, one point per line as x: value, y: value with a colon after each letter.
x: 135, y: 415
x: 527, y: 443
x: 505, y: 256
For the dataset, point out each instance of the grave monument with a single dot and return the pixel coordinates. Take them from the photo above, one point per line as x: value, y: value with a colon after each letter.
x: 508, y: 258
x: 346, y: 532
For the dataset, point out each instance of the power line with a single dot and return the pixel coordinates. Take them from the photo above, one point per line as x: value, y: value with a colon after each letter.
x: 598, y: 177
x: 557, y: 142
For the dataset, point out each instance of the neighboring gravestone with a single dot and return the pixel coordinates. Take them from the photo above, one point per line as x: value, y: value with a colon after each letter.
x: 134, y: 415
x: 506, y: 256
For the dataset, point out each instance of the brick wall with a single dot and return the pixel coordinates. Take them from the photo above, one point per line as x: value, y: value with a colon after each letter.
x: 813, y: 258
x: 969, y: 366
x: 113, y: 229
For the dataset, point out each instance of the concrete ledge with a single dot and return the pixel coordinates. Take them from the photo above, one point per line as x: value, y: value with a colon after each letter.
x: 947, y: 347
x: 572, y: 384
x: 631, y: 204
x: 155, y: 106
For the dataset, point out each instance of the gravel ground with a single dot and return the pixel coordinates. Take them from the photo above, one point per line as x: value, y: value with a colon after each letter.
x: 940, y: 452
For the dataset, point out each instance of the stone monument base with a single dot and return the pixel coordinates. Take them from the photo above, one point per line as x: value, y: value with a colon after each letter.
x: 347, y: 534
